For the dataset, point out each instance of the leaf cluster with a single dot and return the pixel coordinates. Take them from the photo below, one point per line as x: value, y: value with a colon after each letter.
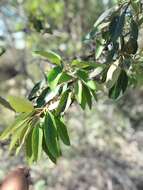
x: 39, y: 126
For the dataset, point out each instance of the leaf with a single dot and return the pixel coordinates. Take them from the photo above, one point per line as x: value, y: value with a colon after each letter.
x: 50, y: 134
x: 63, y: 102
x: 51, y: 56
x: 59, y: 146
x: 28, y: 147
x: 134, y: 30
x: 82, y: 75
x: 79, y: 94
x: 113, y: 24
x: 96, y: 72
x: 120, y: 86
x: 87, y: 96
x: 5, y: 103
x: 16, y: 136
x: 45, y: 149
x: 99, y: 48
x: 103, y: 16
x: 41, y: 100
x: 94, y: 95
x: 91, y: 84
x: 36, y: 87
x: 83, y: 94
x: 116, y: 26
x: 23, y: 138
x: 23, y: 117
x: 37, y: 138
x: 53, y: 76
x: 52, y: 94
x: 85, y: 64
x: 78, y: 91
x: 20, y: 104
x: 80, y: 63
x: 69, y: 101
x: 113, y: 74
x: 65, y: 77
x: 62, y: 131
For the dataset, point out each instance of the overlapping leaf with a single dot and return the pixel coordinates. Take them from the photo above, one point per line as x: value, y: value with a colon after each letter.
x: 120, y: 86
x: 37, y: 138
x: 62, y: 131
x: 50, y: 135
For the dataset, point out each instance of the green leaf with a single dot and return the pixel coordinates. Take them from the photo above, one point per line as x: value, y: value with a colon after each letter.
x: 65, y: 77
x: 51, y: 95
x: 83, y: 94
x: 79, y: 94
x: 5, y: 103
x: 28, y: 147
x: 134, y: 30
x: 16, y: 136
x: 80, y: 63
x: 63, y: 102
x: 46, y: 150
x: 94, y: 95
x: 96, y: 72
x: 113, y: 74
x: 116, y: 26
x: 50, y: 134
x: 120, y: 86
x: 87, y: 95
x: 69, y: 101
x: 51, y: 56
x: 37, y: 137
x: 53, y: 76
x: 41, y: 100
x: 62, y: 131
x: 99, y: 49
x: 91, y: 84
x: 20, y: 104
x: 78, y: 91
x: 82, y: 75
x: 113, y: 24
x: 83, y: 64
x: 23, y: 138
x: 36, y: 87
x: 20, y: 120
